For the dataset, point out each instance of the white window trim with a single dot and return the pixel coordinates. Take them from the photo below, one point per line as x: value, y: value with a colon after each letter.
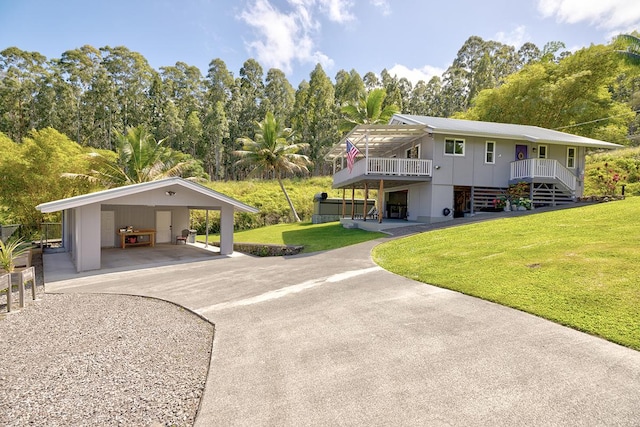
x: 546, y: 151
x: 575, y: 155
x: 454, y: 147
x: 409, y: 150
x: 493, y: 153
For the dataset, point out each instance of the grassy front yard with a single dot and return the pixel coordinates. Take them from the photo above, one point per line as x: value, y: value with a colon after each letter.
x: 578, y: 267
x: 314, y: 237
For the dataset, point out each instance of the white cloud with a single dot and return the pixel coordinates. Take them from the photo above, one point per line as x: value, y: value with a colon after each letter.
x: 285, y: 37
x: 383, y: 5
x: 515, y: 38
x: 613, y: 15
x: 338, y: 10
x: 416, y: 74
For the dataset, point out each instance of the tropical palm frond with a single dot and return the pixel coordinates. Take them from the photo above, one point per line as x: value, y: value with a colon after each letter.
x: 631, y: 44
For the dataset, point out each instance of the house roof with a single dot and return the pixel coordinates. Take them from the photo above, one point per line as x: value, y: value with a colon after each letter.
x: 528, y: 133
x: 405, y: 128
x: 173, y: 184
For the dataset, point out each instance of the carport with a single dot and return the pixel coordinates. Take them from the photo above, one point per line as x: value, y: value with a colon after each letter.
x: 93, y: 221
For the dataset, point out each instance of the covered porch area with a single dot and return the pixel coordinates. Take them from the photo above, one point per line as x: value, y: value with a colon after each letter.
x: 388, y: 157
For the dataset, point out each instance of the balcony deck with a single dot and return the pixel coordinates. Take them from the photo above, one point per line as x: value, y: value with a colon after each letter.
x: 373, y: 169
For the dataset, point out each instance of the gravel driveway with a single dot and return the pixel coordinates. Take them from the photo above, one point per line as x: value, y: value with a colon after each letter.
x: 93, y: 360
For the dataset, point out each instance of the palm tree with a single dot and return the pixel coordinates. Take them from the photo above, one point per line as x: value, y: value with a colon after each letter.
x: 368, y: 110
x: 273, y: 151
x: 140, y: 158
x: 632, y: 47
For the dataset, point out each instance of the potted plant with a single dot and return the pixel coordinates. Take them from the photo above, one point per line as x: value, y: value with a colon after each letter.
x: 9, y: 252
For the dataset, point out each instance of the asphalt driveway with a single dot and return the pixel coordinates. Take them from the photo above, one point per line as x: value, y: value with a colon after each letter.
x: 333, y: 339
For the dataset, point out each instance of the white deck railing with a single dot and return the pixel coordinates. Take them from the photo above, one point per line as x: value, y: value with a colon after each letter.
x: 543, y: 168
x: 386, y: 166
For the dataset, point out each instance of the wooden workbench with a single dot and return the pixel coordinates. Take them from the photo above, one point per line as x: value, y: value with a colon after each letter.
x: 151, y: 242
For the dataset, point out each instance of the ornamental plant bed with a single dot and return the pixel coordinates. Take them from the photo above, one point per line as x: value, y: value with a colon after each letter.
x: 265, y: 249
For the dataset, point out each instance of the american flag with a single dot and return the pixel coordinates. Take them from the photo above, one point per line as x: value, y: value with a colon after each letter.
x: 352, y: 152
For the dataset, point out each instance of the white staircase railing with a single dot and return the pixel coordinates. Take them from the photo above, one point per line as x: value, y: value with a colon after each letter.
x: 543, y: 168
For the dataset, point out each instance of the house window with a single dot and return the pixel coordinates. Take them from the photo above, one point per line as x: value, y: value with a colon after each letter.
x: 571, y: 157
x: 542, y: 151
x: 489, y: 152
x: 413, y: 152
x: 454, y: 147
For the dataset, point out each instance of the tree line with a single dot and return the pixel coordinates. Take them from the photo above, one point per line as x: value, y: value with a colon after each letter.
x: 92, y: 95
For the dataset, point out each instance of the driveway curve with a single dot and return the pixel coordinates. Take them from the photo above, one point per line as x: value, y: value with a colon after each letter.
x: 332, y: 339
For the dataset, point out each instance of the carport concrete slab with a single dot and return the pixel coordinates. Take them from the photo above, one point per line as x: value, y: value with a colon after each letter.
x: 59, y: 266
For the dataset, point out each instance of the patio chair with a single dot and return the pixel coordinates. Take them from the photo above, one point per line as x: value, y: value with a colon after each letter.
x: 182, y: 237
x: 373, y: 213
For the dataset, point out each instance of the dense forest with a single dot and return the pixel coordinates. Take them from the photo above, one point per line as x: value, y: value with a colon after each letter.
x: 54, y: 111
x: 89, y: 93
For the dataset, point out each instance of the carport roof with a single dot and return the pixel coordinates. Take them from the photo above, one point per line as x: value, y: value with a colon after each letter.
x: 113, y: 193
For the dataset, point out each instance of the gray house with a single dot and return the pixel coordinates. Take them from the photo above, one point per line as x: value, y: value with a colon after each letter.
x: 156, y: 213
x: 430, y: 169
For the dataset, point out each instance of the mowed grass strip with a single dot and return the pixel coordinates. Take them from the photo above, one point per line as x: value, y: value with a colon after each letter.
x: 577, y: 267
x: 314, y: 237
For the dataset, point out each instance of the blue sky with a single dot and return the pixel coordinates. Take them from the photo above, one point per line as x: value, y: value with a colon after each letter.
x: 410, y: 38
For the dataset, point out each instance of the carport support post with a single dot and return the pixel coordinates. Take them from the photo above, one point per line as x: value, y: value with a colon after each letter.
x: 364, y: 206
x: 353, y: 202
x: 206, y: 233
x: 226, y: 230
x: 344, y: 204
x: 380, y: 200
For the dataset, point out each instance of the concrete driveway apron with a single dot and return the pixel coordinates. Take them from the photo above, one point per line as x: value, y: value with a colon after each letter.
x: 333, y: 339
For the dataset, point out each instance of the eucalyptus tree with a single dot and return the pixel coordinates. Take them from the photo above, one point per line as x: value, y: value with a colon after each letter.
x: 131, y: 76
x: 315, y: 117
x: 349, y: 87
x: 478, y: 65
x: 216, y: 129
x: 529, y: 53
x: 20, y: 72
x: 391, y: 85
x: 426, y: 98
x: 78, y: 68
x: 371, y: 81
x: 94, y: 105
x: 219, y: 82
x: 191, y: 136
x: 223, y: 109
x: 251, y: 92
x: 171, y: 125
x: 279, y: 95
x: 184, y: 85
x: 273, y: 152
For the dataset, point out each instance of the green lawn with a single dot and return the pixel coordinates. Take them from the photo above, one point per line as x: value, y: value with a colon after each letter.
x: 314, y: 237
x: 578, y: 267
